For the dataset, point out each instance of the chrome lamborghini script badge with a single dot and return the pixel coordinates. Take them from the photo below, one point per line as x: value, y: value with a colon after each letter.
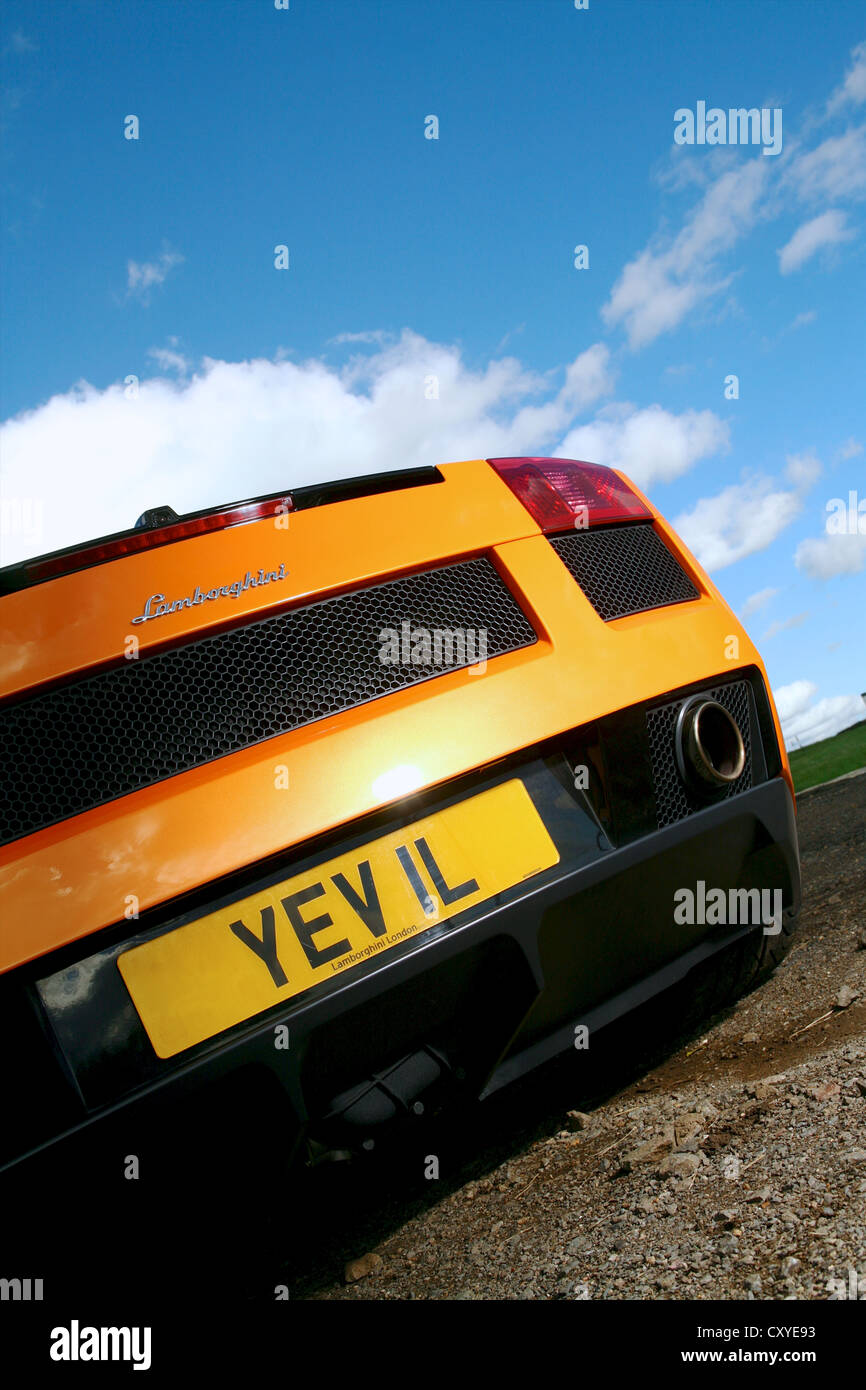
x: 157, y: 605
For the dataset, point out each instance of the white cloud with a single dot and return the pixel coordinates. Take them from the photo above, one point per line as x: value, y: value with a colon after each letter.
x: 803, y: 470
x: 94, y: 459
x: 375, y: 335
x: 853, y: 89
x: 650, y: 445
x: 834, y: 169
x: 747, y: 516
x: 755, y: 602
x: 20, y: 43
x: 797, y: 621
x: 587, y: 378
x: 851, y: 448
x: 142, y: 276
x: 169, y: 359
x: 660, y: 286
x: 742, y: 519
x: 825, y: 557
x: 804, y: 722
x: 672, y: 276
x: 794, y: 699
x: 799, y: 321
x: 829, y: 229
x: 647, y: 299
x: 235, y: 429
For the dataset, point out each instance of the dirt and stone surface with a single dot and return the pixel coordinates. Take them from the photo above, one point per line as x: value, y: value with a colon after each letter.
x: 730, y: 1163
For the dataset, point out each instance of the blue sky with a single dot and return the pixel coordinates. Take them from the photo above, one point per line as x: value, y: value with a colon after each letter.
x: 411, y: 257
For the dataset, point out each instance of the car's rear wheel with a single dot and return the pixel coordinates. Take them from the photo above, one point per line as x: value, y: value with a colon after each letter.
x: 738, y: 970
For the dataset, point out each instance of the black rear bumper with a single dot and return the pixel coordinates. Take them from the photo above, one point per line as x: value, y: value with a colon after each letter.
x: 458, y: 1013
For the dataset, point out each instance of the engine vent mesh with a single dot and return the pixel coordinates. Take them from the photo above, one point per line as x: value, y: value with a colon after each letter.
x: 81, y: 744
x: 624, y: 569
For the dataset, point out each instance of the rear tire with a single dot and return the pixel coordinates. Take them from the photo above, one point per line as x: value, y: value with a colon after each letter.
x: 743, y: 967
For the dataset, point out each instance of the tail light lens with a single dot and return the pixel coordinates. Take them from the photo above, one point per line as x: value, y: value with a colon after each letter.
x: 564, y: 494
x: 146, y: 537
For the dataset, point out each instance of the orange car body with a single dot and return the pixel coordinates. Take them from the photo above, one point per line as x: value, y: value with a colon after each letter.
x: 104, y: 871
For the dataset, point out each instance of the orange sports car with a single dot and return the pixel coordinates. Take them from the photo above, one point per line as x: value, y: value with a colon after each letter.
x: 351, y: 801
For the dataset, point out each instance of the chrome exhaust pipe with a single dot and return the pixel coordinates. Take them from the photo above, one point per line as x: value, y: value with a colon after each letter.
x: 709, y: 746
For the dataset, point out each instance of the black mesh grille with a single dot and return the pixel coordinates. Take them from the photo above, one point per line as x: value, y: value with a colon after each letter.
x: 766, y: 729
x: 674, y: 800
x: 79, y: 745
x: 624, y: 569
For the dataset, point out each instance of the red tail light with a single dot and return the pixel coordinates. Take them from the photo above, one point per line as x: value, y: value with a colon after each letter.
x: 561, y: 494
x: 132, y: 542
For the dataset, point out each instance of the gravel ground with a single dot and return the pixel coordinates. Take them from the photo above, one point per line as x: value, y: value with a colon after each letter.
x: 731, y: 1166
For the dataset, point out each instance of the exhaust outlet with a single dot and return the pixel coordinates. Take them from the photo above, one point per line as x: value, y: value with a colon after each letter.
x: 710, y: 750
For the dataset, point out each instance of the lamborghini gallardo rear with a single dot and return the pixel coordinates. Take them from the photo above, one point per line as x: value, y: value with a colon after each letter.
x: 352, y: 802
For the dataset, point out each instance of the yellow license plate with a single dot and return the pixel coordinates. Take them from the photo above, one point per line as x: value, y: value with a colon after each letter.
x: 224, y: 968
